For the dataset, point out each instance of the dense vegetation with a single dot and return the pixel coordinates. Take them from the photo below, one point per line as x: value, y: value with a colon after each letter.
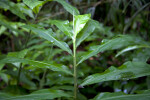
x: 74, y: 49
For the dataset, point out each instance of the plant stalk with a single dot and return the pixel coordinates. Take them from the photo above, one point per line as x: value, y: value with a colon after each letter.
x: 75, y: 70
x: 27, y: 40
x: 19, y: 73
x: 42, y: 80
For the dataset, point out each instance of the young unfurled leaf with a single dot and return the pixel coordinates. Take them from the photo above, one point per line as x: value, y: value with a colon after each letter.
x: 35, y: 4
x: 46, y: 34
x: 128, y: 70
x: 79, y: 22
x: 87, y: 30
x: 122, y: 96
x: 63, y: 26
x: 32, y: 3
x: 36, y: 64
x: 37, y: 95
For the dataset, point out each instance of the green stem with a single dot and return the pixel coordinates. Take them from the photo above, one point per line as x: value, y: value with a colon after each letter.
x: 27, y: 40
x: 75, y: 69
x: 43, y: 79
x: 19, y: 73
x: 74, y: 62
x: 44, y: 74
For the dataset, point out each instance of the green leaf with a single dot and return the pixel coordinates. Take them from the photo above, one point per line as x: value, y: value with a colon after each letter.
x: 131, y: 48
x: 115, y: 43
x: 36, y: 64
x: 14, y: 8
x: 35, y: 4
x: 63, y: 26
x: 8, y: 25
x: 2, y: 30
x: 20, y: 54
x: 141, y: 55
x: 25, y: 9
x: 87, y: 30
x: 37, y: 95
x: 4, y: 77
x: 72, y: 10
x: 128, y: 70
x: 123, y: 96
x: 1, y: 66
x: 79, y: 22
x: 32, y: 3
x: 4, y: 4
x: 46, y: 34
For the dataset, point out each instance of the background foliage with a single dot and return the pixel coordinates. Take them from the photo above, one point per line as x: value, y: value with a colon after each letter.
x: 41, y: 67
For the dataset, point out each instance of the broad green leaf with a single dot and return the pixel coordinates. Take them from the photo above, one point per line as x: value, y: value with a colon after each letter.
x: 72, y: 10
x: 32, y: 3
x: 41, y: 46
x: 38, y: 7
x: 115, y: 43
x: 43, y: 94
x: 131, y: 48
x: 8, y: 25
x: 63, y: 26
x: 2, y: 30
x: 4, y: 77
x: 27, y: 82
x: 122, y: 96
x: 20, y: 54
x: 46, y: 34
x: 87, y: 30
x: 14, y: 8
x: 128, y: 70
x: 1, y: 66
x: 35, y: 5
x: 79, y: 22
x: 141, y: 55
x: 4, y: 4
x: 36, y: 64
x: 25, y: 9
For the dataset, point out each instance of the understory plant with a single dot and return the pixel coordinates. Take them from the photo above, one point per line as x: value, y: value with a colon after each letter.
x: 77, y: 31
